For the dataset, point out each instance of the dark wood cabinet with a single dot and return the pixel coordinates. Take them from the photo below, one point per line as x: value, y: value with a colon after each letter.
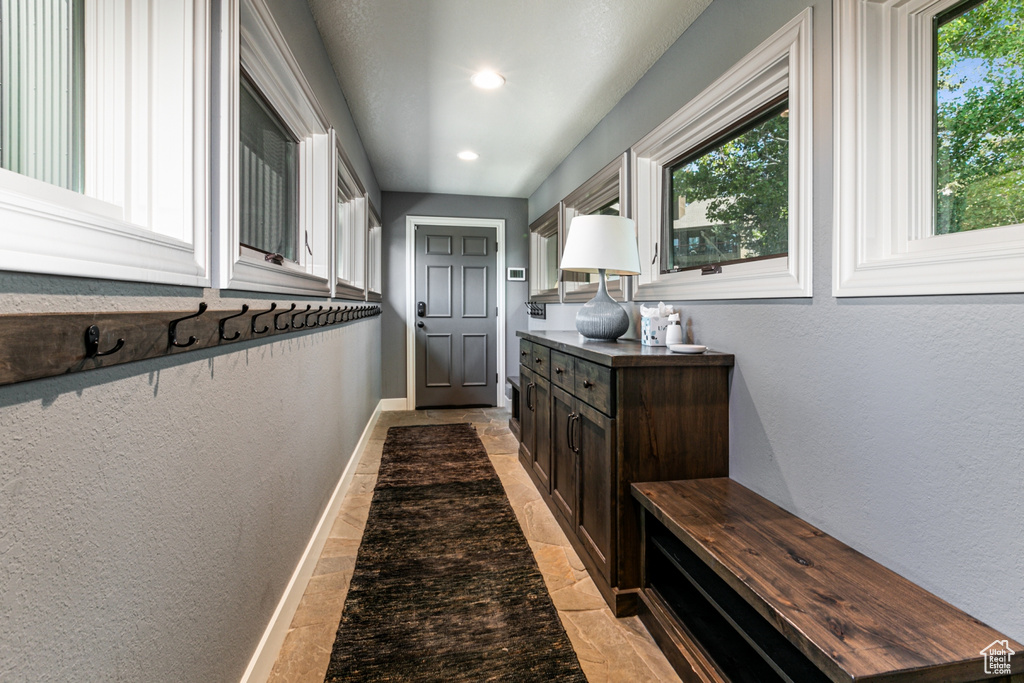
x: 563, y: 466
x: 598, y: 416
x: 594, y: 442
x: 541, y: 401
x: 527, y: 418
x: 535, y: 421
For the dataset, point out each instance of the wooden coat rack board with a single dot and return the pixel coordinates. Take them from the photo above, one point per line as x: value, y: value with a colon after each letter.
x: 33, y: 346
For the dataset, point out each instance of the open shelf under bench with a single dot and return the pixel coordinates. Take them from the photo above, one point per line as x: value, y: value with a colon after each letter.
x: 737, y: 589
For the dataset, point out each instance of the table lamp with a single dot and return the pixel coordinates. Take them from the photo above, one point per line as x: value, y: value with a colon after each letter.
x: 602, y: 244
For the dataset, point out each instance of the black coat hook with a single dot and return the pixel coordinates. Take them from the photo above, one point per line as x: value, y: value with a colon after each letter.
x: 327, y: 317
x: 92, y: 343
x: 316, y: 318
x: 172, y: 328
x: 278, y: 315
x: 294, y: 315
x: 266, y: 328
x: 346, y: 314
x: 245, y: 309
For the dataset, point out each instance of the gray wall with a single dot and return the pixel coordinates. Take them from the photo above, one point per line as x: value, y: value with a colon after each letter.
x: 891, y: 423
x: 151, y: 514
x: 398, y: 205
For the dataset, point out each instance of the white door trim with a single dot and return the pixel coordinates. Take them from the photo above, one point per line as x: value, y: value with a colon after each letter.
x: 410, y: 297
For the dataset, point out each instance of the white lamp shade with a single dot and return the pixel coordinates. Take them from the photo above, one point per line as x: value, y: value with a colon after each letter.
x: 597, y: 242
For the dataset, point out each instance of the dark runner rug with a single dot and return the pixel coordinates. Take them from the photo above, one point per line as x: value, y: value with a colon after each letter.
x: 446, y: 587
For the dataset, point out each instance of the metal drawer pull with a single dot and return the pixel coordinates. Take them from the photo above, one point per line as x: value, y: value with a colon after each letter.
x: 587, y: 384
x: 522, y: 353
x: 558, y: 370
x: 575, y: 440
x: 540, y: 360
x: 568, y: 431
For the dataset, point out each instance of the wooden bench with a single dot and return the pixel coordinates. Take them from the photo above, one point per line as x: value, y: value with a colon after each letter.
x: 737, y: 589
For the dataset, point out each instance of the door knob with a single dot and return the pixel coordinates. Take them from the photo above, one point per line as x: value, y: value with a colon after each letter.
x: 419, y: 324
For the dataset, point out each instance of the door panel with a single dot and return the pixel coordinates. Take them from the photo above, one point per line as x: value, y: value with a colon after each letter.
x: 563, y: 465
x: 474, y: 291
x: 439, y: 360
x: 439, y: 291
x: 456, y: 318
x: 595, y: 438
x: 439, y: 245
x: 474, y: 360
x: 475, y: 245
x: 542, y: 444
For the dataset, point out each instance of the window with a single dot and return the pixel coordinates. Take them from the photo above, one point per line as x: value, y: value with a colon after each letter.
x: 42, y: 104
x: 269, y: 180
x: 274, y: 227
x: 726, y: 182
x: 350, y: 232
x: 600, y: 194
x: 940, y: 129
x: 104, y: 144
x: 979, y: 117
x: 373, y: 276
x: 730, y: 203
x: 544, y: 256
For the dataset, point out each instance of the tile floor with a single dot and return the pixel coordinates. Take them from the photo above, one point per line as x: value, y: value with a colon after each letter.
x: 609, y: 649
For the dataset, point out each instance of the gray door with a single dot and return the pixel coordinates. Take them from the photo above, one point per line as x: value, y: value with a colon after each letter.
x: 456, y: 316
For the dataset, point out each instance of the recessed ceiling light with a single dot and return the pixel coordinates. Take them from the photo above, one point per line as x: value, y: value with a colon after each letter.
x: 468, y: 155
x: 488, y: 80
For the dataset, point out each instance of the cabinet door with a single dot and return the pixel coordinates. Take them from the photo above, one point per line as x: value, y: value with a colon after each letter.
x: 541, y: 400
x: 595, y: 439
x: 563, y: 465
x: 527, y: 417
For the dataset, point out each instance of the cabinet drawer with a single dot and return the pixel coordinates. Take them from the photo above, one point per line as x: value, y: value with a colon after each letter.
x: 541, y: 360
x: 526, y: 353
x: 593, y: 385
x: 562, y: 370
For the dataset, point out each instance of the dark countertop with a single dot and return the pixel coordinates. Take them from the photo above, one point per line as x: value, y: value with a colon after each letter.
x: 622, y: 353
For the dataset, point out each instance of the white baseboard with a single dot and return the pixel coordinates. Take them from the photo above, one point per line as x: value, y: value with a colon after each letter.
x: 394, y: 404
x: 262, y: 662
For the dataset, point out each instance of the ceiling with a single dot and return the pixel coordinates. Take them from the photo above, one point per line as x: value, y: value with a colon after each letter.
x: 405, y: 65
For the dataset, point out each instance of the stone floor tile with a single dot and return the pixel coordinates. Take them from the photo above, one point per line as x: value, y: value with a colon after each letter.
x: 330, y: 564
x: 319, y: 608
x: 581, y: 595
x: 305, y: 654
x: 340, y: 547
x: 332, y: 582
x: 541, y: 525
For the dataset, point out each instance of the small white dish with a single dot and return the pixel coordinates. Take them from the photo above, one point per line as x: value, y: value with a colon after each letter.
x: 687, y: 348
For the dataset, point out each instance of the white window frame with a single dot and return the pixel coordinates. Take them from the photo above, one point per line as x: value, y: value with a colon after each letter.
x: 145, y: 212
x: 883, y: 214
x: 549, y: 222
x: 607, y: 184
x: 374, y: 245
x: 350, y: 230
x: 255, y: 43
x: 780, y: 65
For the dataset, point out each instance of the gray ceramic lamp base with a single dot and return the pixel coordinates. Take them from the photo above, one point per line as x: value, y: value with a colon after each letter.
x: 602, y: 317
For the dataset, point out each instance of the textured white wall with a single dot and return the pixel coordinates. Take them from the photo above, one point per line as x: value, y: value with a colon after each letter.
x: 893, y: 424
x: 152, y: 513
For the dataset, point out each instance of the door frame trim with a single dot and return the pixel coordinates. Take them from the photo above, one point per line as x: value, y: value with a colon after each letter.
x: 410, y: 297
